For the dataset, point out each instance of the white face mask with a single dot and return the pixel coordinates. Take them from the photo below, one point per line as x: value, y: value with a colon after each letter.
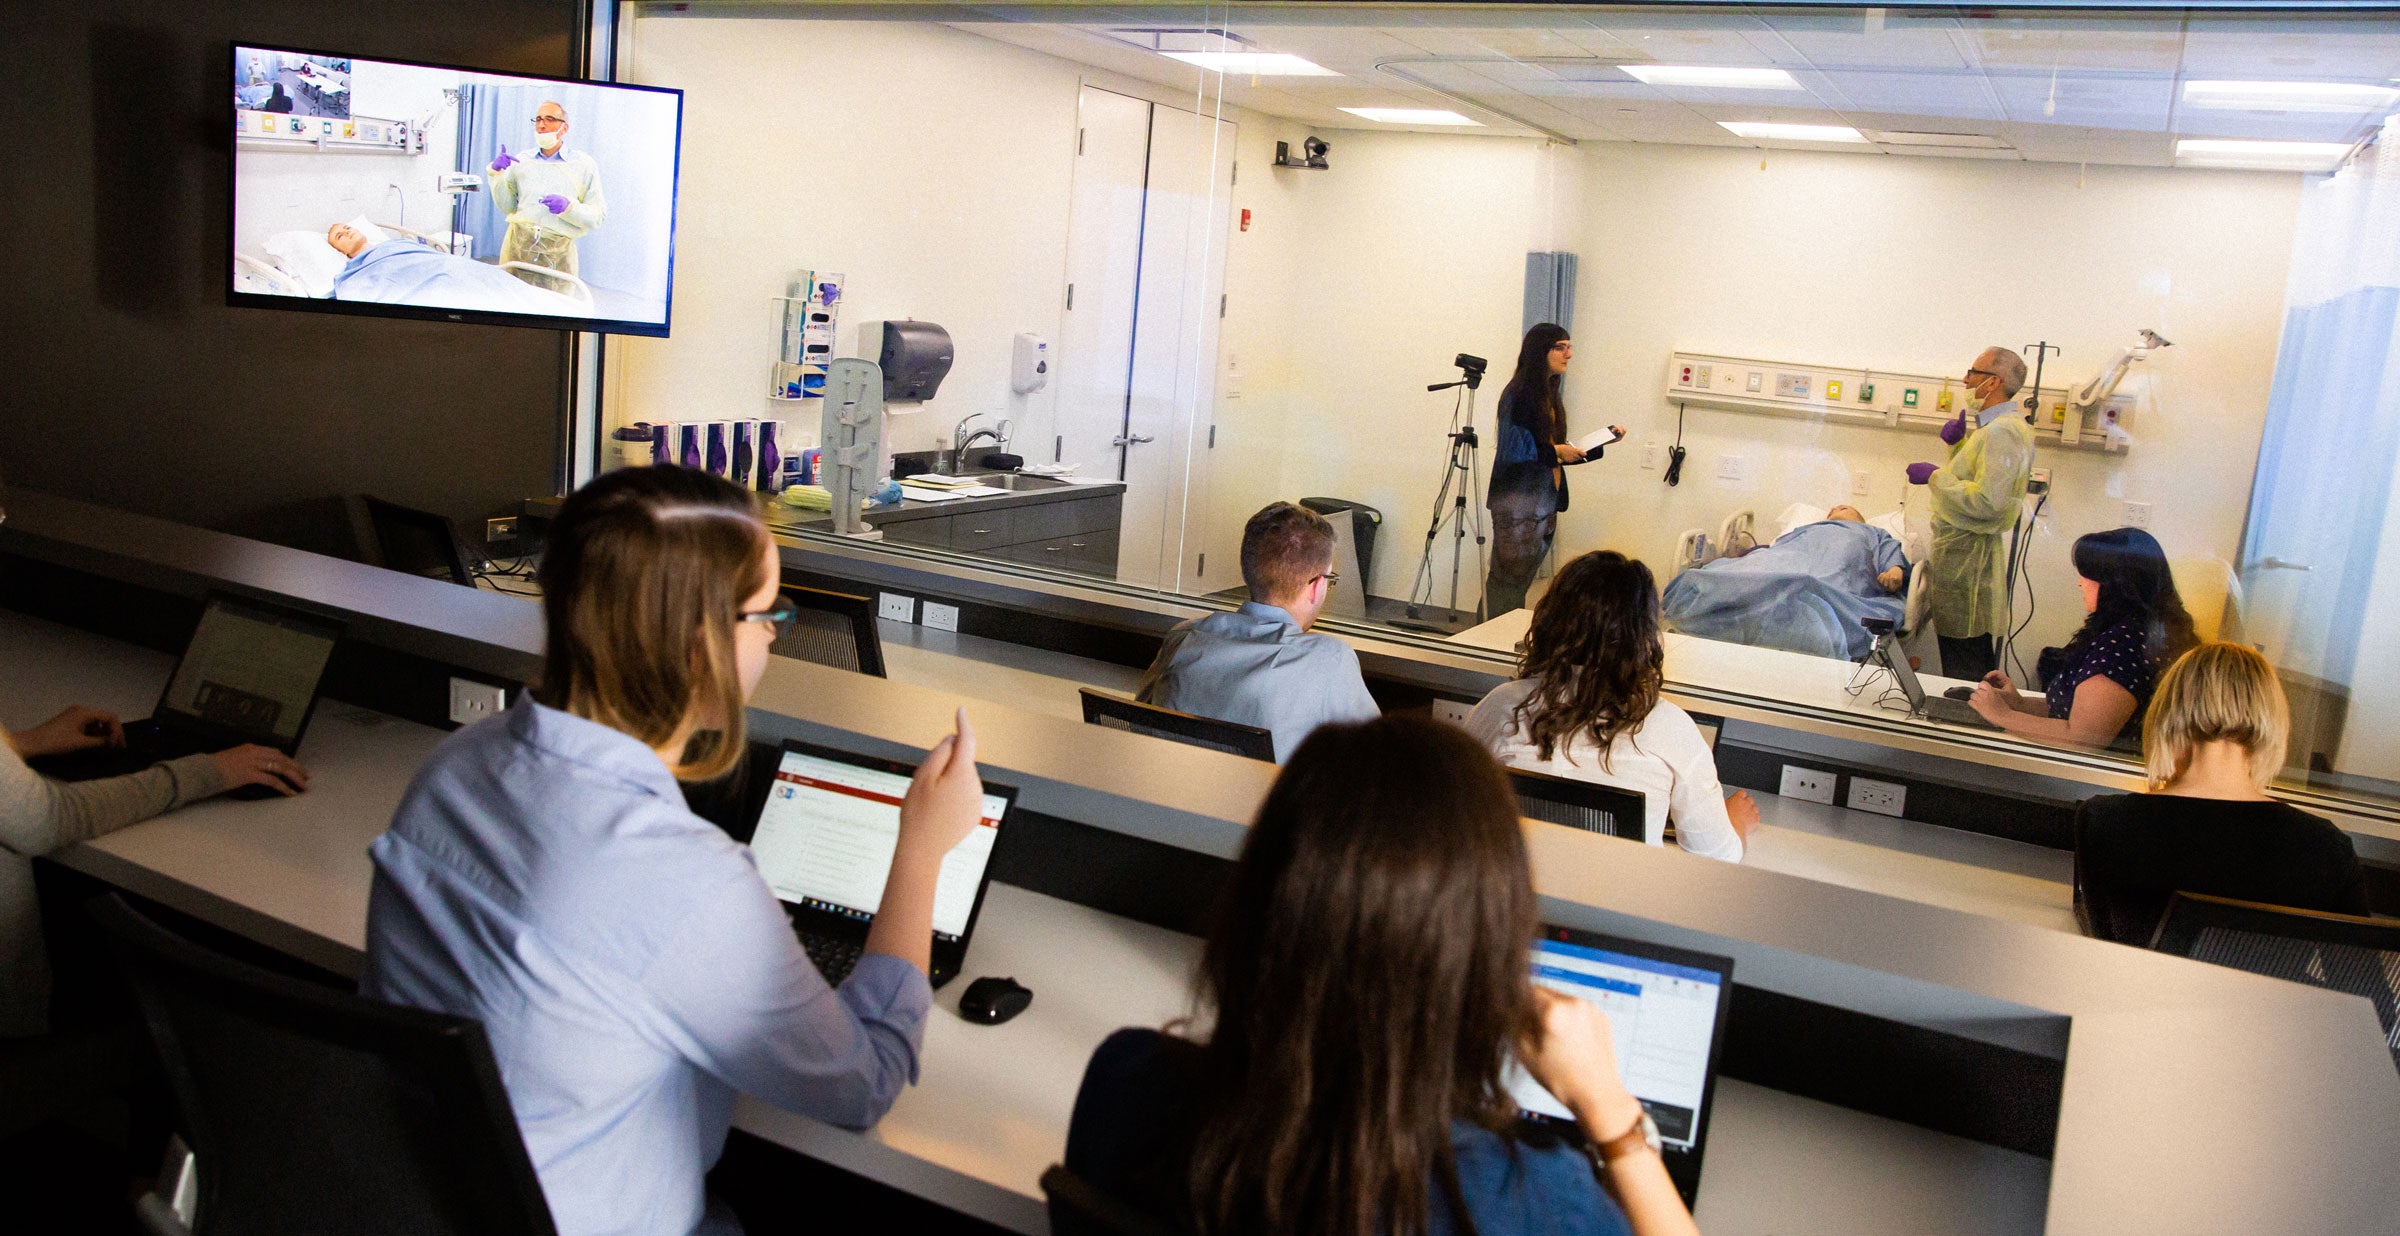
x: 549, y: 138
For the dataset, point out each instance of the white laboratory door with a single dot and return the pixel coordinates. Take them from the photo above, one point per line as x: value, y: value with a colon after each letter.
x: 1137, y: 355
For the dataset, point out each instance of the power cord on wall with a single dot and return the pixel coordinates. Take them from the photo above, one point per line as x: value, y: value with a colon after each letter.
x: 1675, y: 452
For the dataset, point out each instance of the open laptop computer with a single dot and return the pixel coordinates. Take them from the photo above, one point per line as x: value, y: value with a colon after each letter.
x: 249, y: 675
x: 1934, y: 707
x: 1666, y: 1012
x: 827, y: 826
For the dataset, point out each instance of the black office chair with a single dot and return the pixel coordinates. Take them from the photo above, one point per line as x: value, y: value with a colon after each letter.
x: 400, y: 538
x: 2338, y: 952
x: 1079, y: 1209
x: 309, y: 1109
x: 1593, y: 808
x: 1118, y: 713
x: 834, y: 628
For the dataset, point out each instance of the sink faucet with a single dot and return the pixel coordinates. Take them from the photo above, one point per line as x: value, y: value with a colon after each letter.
x: 961, y: 439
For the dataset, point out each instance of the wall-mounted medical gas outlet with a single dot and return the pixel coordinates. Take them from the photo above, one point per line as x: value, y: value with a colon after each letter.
x: 1908, y: 398
x: 1833, y: 390
x: 1813, y: 784
x: 1880, y: 797
x: 941, y: 617
x: 471, y: 702
x: 1757, y: 383
x: 896, y: 607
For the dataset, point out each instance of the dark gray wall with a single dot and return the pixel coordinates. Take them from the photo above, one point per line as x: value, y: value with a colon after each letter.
x: 125, y: 379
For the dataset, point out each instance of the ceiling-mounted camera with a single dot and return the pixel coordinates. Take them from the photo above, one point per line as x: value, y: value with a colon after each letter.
x: 1312, y: 154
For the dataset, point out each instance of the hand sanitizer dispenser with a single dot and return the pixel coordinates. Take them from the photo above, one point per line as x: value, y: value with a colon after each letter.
x: 1029, y: 369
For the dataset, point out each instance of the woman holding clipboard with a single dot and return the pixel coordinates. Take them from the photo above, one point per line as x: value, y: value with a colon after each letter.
x: 1532, y: 440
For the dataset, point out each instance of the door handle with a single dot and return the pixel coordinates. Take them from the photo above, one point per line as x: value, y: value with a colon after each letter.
x: 2278, y: 564
x: 1130, y: 439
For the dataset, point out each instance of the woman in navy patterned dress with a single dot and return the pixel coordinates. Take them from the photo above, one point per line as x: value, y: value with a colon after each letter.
x: 2136, y: 625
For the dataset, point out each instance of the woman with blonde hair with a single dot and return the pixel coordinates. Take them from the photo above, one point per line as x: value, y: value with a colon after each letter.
x: 629, y: 964
x: 2213, y: 740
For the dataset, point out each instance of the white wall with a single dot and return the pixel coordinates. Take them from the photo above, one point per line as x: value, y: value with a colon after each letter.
x: 929, y: 166
x: 280, y: 189
x: 1913, y: 265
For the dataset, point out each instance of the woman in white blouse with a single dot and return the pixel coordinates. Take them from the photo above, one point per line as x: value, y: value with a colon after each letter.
x: 1586, y: 704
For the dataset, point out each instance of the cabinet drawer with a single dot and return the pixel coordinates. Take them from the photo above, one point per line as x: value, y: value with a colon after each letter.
x: 1092, y: 553
x: 934, y: 532
x: 971, y: 531
x: 1056, y: 519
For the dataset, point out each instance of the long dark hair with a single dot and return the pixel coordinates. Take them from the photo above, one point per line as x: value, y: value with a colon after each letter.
x: 2135, y: 587
x: 1369, y: 976
x: 1541, y: 393
x: 1597, y: 650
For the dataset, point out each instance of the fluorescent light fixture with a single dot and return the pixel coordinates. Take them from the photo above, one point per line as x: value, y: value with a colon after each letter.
x: 2261, y: 156
x: 1763, y: 131
x: 1713, y: 76
x: 1253, y: 64
x: 2347, y: 97
x: 1410, y: 115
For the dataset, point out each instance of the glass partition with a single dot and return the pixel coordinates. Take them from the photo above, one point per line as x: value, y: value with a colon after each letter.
x: 1895, y: 308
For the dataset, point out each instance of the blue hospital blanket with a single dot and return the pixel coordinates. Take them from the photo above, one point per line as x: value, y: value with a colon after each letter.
x: 1808, y: 592
x: 404, y: 272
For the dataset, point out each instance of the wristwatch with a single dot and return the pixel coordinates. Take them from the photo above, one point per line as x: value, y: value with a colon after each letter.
x: 1642, y: 1136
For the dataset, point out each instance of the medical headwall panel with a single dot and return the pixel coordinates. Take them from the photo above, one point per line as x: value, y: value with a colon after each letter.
x: 1879, y: 398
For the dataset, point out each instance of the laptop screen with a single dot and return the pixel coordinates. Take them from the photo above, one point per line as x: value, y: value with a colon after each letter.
x: 1665, y: 1010
x: 251, y: 670
x: 827, y: 831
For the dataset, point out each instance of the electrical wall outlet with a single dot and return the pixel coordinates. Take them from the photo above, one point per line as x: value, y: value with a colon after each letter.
x: 896, y: 607
x: 941, y: 617
x: 1880, y: 797
x: 1651, y: 453
x: 2137, y: 514
x: 1861, y: 483
x: 1813, y: 784
x: 501, y: 529
x: 1453, y: 711
x: 471, y: 702
x: 1732, y: 468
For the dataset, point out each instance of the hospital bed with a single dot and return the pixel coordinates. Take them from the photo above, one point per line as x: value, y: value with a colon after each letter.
x: 1738, y: 533
x: 304, y: 263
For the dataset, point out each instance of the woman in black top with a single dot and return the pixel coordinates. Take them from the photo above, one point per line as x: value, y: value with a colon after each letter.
x: 2136, y: 625
x: 2213, y: 740
x: 1533, y: 410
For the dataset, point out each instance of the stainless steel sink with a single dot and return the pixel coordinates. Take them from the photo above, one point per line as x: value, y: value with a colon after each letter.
x: 1018, y: 482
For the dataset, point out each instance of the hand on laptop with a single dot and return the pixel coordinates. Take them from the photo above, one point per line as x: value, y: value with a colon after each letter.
x: 77, y: 729
x: 1575, y: 1059
x: 252, y: 764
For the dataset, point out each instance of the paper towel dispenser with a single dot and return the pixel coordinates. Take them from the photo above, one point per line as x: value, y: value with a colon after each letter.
x: 915, y: 357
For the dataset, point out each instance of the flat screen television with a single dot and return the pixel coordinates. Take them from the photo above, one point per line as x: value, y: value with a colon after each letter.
x: 425, y: 191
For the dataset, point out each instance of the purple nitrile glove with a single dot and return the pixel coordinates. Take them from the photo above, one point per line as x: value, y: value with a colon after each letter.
x: 1954, y: 429
x: 556, y: 203
x: 505, y: 160
x: 1918, y: 473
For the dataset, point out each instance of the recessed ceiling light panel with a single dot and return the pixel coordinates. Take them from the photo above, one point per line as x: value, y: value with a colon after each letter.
x: 1411, y: 115
x: 2261, y: 156
x: 2343, y: 97
x: 1252, y: 63
x: 1716, y: 77
x: 1763, y: 131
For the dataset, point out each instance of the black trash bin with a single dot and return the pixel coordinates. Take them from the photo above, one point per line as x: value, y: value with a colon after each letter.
x: 1362, y: 528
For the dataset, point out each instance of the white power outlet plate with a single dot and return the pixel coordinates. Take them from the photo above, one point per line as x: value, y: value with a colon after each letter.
x: 1861, y: 483
x: 1652, y: 453
x: 1732, y: 468
x: 1880, y: 797
x: 471, y: 702
x: 941, y: 617
x: 1453, y: 711
x: 2137, y: 514
x: 896, y: 607
x: 1813, y: 784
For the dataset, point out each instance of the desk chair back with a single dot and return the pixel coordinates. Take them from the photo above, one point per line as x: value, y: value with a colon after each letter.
x: 1580, y: 804
x: 2338, y: 952
x: 402, y: 538
x: 309, y: 1109
x: 1118, y: 713
x: 834, y: 628
x: 1079, y: 1209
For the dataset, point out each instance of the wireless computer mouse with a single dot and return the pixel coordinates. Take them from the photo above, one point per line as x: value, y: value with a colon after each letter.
x: 990, y: 1001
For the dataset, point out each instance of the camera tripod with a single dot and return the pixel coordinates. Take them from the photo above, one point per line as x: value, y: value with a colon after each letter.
x: 1454, y: 505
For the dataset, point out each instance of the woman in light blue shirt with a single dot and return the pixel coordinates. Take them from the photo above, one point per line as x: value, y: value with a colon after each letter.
x: 630, y: 966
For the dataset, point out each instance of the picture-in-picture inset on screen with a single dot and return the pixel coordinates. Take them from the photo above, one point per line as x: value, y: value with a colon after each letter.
x: 410, y: 190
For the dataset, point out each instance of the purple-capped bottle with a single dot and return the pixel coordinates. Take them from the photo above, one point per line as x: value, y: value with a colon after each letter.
x: 770, y: 461
x: 687, y: 446
x: 717, y: 459
x: 745, y: 449
x: 662, y: 452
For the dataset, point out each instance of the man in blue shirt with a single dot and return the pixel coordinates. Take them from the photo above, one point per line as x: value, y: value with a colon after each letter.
x: 1259, y: 665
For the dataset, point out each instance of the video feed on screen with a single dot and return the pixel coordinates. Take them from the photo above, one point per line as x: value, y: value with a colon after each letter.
x: 375, y: 187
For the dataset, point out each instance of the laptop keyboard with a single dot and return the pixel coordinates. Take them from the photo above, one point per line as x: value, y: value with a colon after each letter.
x: 834, y: 958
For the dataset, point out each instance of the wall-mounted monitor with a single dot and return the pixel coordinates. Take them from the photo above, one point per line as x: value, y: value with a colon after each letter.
x: 423, y: 191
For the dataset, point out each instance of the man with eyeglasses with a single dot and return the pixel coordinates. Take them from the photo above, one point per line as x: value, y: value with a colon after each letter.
x: 1524, y: 505
x: 1976, y: 496
x: 1260, y: 665
x: 551, y: 198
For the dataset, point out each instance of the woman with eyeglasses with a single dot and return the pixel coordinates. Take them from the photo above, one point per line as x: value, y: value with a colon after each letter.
x: 1533, y: 410
x: 629, y: 964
